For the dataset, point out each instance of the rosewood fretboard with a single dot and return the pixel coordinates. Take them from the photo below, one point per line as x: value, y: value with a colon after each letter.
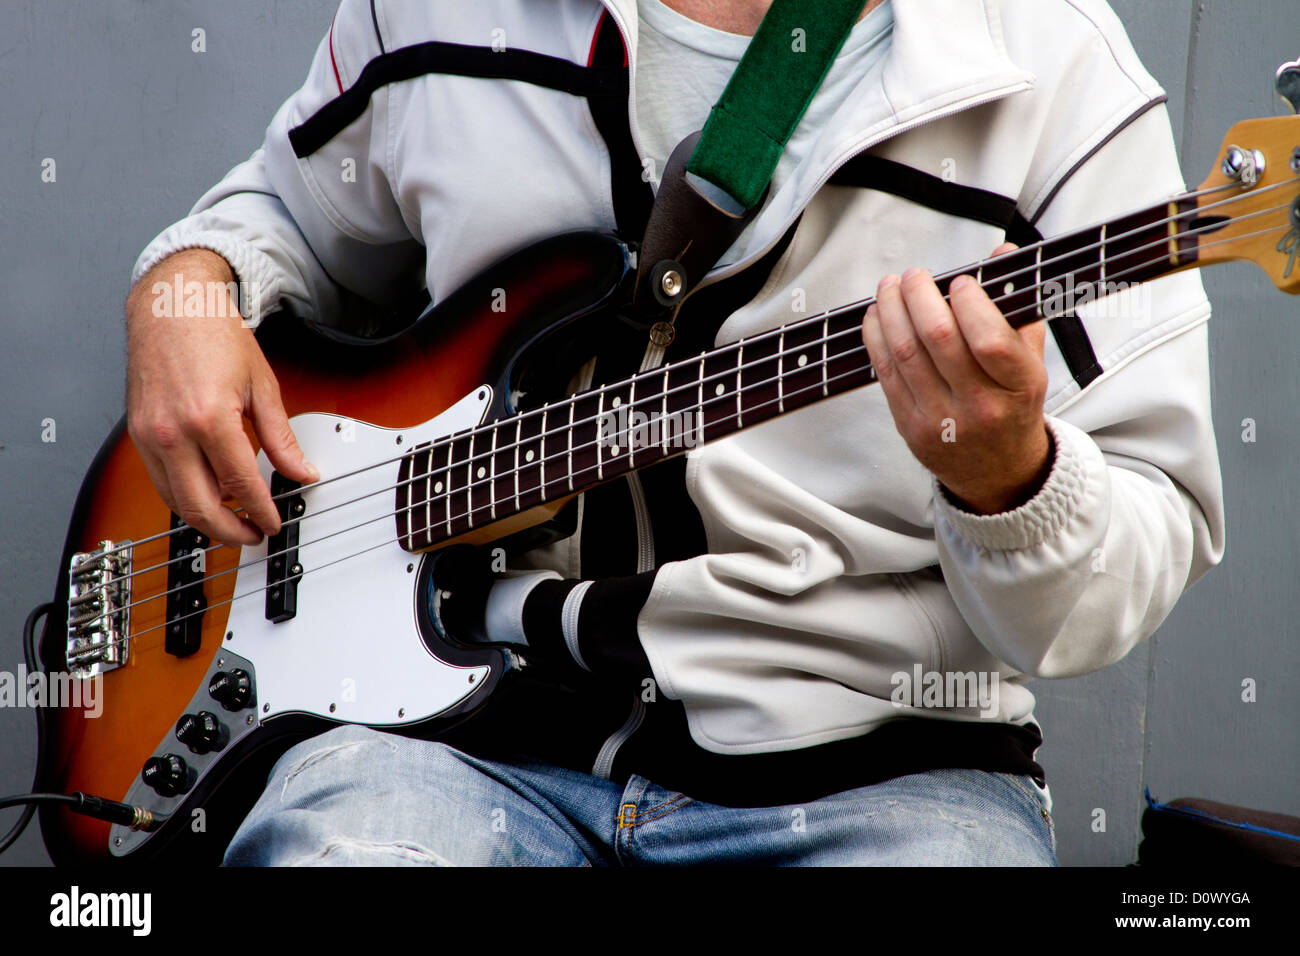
x: 482, y: 475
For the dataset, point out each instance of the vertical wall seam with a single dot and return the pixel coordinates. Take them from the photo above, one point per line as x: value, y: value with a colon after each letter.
x: 1189, y: 88
x: 1189, y: 98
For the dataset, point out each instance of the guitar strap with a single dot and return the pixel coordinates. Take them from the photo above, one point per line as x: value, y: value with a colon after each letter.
x: 704, y: 202
x: 716, y: 179
x: 982, y: 205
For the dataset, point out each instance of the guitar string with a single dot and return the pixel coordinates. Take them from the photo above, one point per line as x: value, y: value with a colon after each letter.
x: 859, y: 369
x: 497, y: 425
x: 1193, y: 213
x: 426, y: 476
x: 389, y: 542
x: 569, y: 427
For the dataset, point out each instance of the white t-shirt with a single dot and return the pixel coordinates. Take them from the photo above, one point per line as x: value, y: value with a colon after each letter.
x: 683, y: 66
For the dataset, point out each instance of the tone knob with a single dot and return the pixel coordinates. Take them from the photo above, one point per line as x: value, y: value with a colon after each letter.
x: 200, y: 732
x: 233, y: 690
x: 166, y: 775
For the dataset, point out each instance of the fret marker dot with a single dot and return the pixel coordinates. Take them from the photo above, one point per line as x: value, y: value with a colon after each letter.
x: 482, y: 471
x: 720, y: 389
x: 528, y: 455
x: 613, y: 450
x: 437, y: 488
x: 617, y: 402
x: 803, y: 360
x: 1009, y: 288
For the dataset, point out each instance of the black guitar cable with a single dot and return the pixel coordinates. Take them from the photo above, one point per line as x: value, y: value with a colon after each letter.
x: 137, y: 818
x: 126, y: 814
x: 31, y: 654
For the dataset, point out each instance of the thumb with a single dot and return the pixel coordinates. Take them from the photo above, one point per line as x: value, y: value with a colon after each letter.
x: 277, y: 438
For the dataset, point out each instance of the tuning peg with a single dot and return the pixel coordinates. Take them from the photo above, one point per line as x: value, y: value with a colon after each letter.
x: 1288, y: 84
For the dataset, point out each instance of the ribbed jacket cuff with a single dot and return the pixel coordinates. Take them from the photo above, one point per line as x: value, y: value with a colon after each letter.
x: 1043, y: 516
x: 259, y: 288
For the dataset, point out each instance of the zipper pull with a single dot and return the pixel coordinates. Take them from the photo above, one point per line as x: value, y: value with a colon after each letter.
x: 661, y: 336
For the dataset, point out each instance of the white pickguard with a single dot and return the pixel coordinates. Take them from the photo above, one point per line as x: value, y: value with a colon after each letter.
x: 354, y: 643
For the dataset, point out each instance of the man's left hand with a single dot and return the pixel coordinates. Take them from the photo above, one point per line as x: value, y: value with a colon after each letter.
x: 966, y: 389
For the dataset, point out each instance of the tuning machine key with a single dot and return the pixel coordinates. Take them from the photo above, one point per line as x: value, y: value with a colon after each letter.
x: 1287, y: 84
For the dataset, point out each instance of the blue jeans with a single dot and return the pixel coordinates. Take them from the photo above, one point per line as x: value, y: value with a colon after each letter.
x: 355, y: 796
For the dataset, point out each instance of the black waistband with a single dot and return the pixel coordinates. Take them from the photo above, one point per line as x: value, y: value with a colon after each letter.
x: 567, y: 728
x: 903, y: 746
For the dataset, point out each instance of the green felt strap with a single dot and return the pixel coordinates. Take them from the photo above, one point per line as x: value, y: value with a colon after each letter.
x: 768, y: 94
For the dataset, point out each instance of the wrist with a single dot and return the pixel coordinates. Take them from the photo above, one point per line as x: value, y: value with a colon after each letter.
x: 190, y: 283
x: 1014, y: 491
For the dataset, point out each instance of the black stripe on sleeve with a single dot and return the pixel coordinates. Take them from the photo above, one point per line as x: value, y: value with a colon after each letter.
x: 607, y: 632
x: 453, y: 59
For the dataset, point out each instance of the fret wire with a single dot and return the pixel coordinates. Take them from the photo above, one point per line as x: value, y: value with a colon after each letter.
x: 1038, y: 280
x: 600, y: 464
x: 572, y: 405
x: 631, y: 440
x: 780, y: 372
x: 428, y: 496
x: 519, y: 433
x: 826, y: 331
x: 447, y: 497
x: 700, y: 399
x: 663, y: 420
x: 469, y: 478
x: 740, y: 364
x: 541, y: 447
x: 492, y: 472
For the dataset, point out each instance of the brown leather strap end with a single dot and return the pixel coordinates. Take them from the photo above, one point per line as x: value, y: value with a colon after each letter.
x: 686, y: 235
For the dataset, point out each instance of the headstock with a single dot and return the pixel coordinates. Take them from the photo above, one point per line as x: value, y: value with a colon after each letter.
x: 1256, y: 189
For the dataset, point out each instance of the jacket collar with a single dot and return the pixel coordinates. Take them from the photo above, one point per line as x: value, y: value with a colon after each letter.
x: 944, y: 56
x: 939, y: 50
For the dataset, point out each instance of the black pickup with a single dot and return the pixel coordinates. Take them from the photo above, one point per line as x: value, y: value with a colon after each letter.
x: 186, y: 603
x: 282, y: 567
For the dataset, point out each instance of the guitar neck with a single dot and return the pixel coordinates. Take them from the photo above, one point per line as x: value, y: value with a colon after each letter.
x: 508, y: 466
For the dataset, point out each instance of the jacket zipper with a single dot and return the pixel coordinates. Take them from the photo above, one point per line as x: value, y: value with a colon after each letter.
x: 604, y: 765
x: 645, y: 542
x: 645, y: 555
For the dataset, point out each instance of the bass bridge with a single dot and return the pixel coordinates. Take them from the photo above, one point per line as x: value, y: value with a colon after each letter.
x: 99, y: 609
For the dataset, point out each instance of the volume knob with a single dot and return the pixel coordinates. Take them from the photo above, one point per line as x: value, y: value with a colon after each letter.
x: 200, y: 732
x: 166, y: 775
x: 233, y: 690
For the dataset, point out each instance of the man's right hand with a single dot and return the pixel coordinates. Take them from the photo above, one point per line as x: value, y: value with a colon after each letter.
x: 190, y: 384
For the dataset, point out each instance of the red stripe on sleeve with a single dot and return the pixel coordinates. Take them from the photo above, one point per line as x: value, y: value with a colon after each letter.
x: 333, y: 62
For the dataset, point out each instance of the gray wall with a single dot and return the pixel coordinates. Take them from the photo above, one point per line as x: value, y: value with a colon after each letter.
x: 139, y: 126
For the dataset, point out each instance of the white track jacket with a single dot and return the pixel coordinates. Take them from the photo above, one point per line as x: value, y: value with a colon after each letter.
x: 834, y: 563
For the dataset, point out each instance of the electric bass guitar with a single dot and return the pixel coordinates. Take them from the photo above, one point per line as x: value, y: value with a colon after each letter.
x: 212, y: 660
